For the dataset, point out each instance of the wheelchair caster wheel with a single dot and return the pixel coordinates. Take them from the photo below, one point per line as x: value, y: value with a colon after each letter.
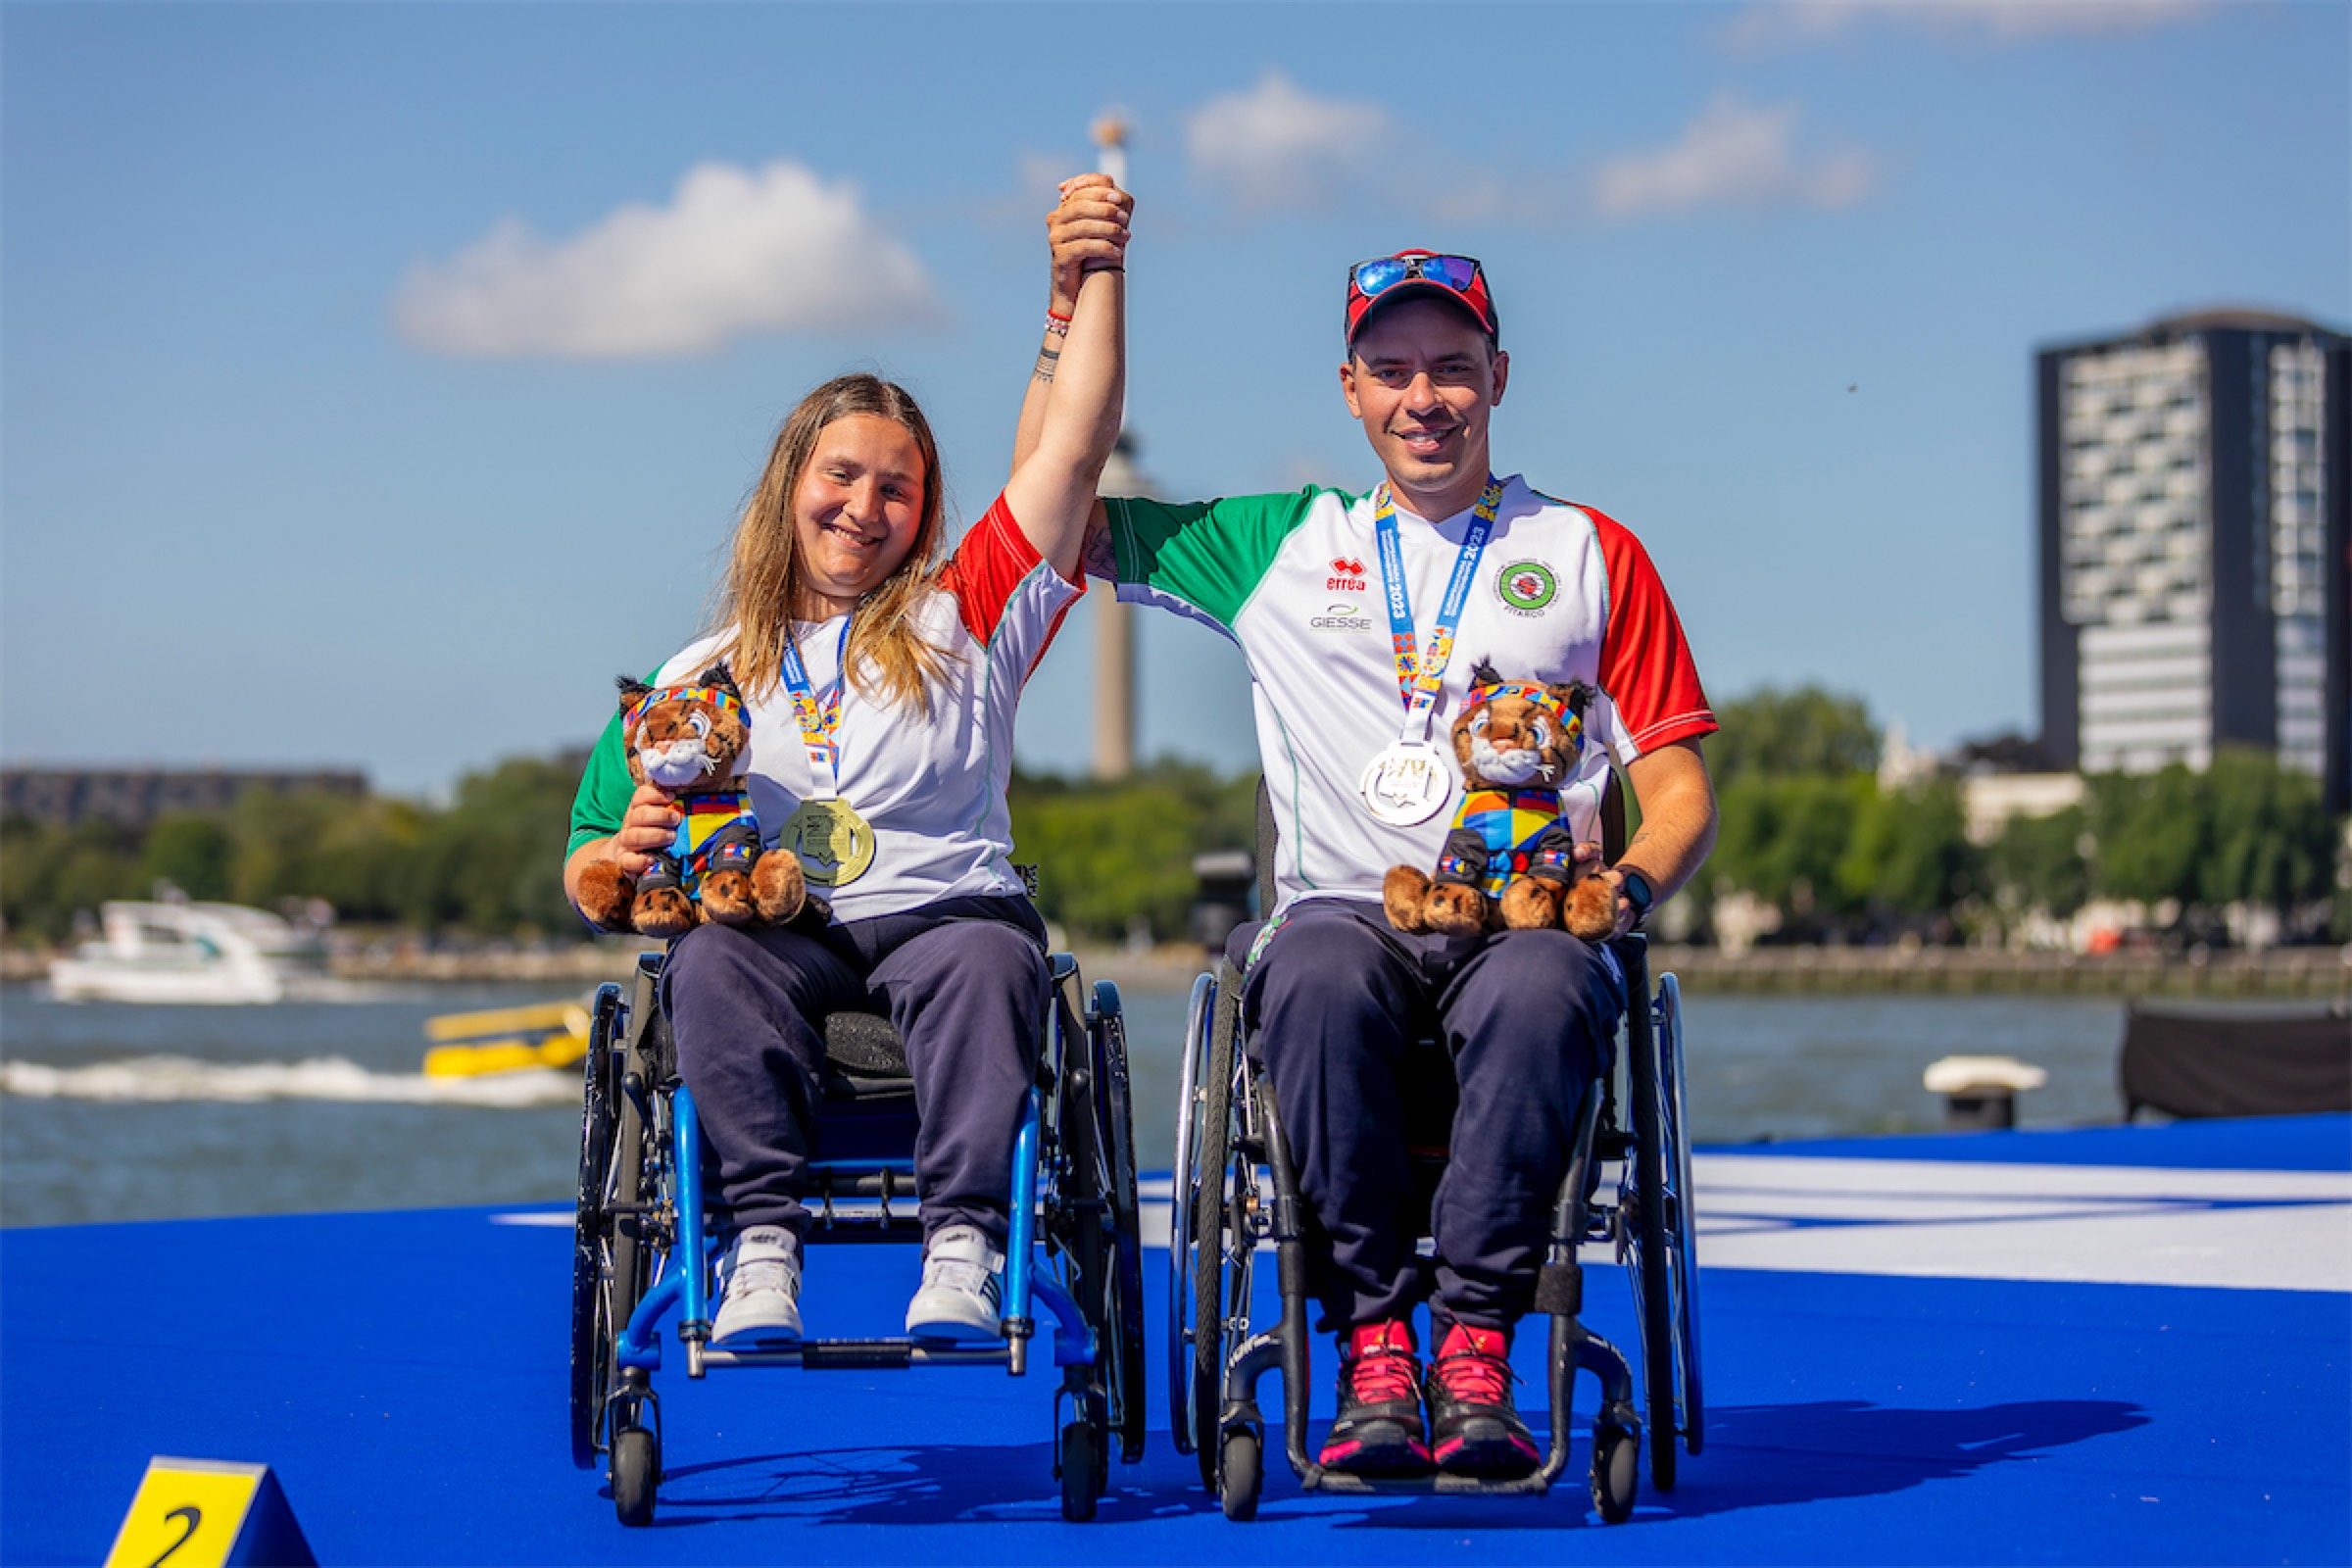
x: 1616, y: 1472
x: 1081, y: 1459
x: 1238, y: 1475
x: 636, y: 1472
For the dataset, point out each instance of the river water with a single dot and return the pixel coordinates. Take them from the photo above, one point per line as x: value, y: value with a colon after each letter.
x: 112, y: 1111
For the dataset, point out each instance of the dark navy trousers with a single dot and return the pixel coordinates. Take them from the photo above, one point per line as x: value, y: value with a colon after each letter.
x: 1335, y: 998
x: 964, y: 981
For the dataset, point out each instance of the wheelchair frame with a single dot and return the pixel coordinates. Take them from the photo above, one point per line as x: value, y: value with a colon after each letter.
x: 1237, y: 1189
x: 636, y: 1258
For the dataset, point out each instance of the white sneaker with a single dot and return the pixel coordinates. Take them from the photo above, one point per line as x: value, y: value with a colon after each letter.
x: 760, y: 1292
x: 964, y: 1281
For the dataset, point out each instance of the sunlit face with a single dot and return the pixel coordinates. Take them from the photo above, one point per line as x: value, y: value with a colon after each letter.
x: 1424, y: 382
x: 857, y: 512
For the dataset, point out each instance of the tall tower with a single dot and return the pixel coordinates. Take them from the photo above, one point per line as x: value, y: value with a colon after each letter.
x: 2194, y: 487
x: 1115, y: 622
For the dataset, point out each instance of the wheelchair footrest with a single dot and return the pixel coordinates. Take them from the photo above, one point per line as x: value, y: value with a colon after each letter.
x: 863, y: 1355
x: 1532, y: 1485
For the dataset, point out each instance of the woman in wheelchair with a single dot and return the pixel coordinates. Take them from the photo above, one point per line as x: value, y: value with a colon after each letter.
x: 880, y: 676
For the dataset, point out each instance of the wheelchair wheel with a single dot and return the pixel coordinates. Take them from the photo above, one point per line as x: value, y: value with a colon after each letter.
x: 1616, y: 1471
x: 594, y: 1243
x: 1123, y: 1323
x: 1682, y: 1257
x: 1181, y: 1238
x: 1659, y: 1164
x: 1216, y: 1232
x: 1082, y: 1459
x: 636, y: 1475
x: 1242, y: 1476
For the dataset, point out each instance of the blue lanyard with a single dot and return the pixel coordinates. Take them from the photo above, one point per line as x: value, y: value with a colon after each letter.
x: 819, y: 721
x: 1418, y: 682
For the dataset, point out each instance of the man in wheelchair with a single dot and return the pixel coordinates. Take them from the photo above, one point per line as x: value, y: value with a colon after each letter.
x: 1347, y: 708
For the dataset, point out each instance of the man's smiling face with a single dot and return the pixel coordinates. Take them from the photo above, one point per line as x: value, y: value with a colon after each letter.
x: 1424, y: 381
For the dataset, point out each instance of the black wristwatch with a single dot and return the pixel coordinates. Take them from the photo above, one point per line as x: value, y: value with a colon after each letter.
x: 1637, y: 890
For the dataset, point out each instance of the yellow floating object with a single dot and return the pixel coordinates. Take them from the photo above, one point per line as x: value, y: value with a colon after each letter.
x: 552, y: 1033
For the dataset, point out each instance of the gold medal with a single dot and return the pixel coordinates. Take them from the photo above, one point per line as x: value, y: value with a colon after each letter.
x: 833, y: 843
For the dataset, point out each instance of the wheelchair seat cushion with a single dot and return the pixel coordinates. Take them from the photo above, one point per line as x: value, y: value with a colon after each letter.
x: 864, y: 1045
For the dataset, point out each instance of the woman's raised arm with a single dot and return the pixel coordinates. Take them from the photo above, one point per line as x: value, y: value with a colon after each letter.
x: 1070, y: 416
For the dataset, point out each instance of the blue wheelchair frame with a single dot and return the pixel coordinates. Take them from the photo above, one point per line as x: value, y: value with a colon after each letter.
x: 1074, y: 1188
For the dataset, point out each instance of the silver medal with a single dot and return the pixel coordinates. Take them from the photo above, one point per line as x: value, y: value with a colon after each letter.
x: 1406, y: 783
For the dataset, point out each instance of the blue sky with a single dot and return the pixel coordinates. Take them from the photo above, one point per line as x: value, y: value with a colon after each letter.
x: 376, y: 381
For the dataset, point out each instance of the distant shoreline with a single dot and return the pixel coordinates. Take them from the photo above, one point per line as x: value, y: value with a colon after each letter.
x: 2321, y: 972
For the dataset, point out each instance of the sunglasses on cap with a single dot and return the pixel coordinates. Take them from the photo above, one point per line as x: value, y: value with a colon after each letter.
x: 1458, y: 277
x: 1374, y: 278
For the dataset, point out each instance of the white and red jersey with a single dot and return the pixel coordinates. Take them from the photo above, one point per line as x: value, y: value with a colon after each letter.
x: 932, y: 786
x: 1562, y: 592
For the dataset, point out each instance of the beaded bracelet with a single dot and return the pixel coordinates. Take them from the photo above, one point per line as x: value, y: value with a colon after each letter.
x: 1056, y: 325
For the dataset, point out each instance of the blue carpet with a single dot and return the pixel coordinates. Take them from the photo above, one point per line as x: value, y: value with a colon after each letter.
x: 405, y: 1374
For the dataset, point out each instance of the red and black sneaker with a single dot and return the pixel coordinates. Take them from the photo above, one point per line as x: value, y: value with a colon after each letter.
x: 1379, y: 1430
x: 1477, y: 1431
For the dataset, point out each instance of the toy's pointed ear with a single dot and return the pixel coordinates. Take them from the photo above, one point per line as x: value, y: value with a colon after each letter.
x: 1574, y: 696
x: 633, y: 692
x: 1484, y: 674
x: 720, y: 678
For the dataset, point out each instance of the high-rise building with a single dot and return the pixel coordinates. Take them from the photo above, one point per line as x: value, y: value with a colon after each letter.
x: 2195, y: 485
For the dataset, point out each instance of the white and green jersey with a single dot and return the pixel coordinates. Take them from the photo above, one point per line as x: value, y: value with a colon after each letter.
x: 1561, y: 592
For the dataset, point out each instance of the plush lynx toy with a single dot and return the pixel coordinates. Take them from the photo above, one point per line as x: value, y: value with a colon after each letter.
x: 686, y: 740
x: 1509, y: 861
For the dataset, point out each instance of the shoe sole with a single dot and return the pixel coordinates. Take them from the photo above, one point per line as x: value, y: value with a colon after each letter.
x: 957, y: 1333
x: 1489, y: 1459
x: 1353, y: 1457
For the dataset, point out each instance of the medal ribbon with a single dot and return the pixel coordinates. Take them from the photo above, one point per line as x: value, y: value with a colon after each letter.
x: 818, y: 719
x: 1418, y: 681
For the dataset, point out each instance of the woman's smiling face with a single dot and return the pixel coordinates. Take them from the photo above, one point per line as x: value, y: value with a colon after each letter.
x: 857, y: 512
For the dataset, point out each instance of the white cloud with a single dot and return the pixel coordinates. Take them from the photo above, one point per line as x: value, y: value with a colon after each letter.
x: 735, y: 252
x: 1276, y: 146
x: 1732, y: 156
x: 1998, y: 21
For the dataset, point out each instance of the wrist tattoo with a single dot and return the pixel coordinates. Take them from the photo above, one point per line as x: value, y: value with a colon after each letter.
x: 1048, y: 360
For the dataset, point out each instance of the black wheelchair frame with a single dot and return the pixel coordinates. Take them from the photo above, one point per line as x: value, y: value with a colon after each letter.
x: 1237, y: 1189
x: 644, y: 1231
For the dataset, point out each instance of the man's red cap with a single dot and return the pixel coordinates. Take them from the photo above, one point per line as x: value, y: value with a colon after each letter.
x: 1473, y: 298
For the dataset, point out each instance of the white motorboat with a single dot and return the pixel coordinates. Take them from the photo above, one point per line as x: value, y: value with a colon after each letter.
x: 182, y: 952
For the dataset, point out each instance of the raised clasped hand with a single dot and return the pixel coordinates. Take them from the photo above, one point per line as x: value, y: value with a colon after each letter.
x: 1087, y: 229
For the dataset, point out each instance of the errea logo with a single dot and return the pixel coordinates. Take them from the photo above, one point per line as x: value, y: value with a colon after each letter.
x: 1346, y: 577
x: 1525, y: 587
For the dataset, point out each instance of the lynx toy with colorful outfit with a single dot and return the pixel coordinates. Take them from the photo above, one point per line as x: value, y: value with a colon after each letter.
x: 1509, y: 863
x: 686, y: 741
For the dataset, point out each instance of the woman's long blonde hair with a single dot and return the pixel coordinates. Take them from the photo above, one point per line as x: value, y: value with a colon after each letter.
x: 887, y: 660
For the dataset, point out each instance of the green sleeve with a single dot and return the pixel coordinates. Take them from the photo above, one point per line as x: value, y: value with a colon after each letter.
x: 1208, y: 555
x: 604, y: 790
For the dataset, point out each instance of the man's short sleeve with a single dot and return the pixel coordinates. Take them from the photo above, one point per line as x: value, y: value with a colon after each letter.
x: 1201, y: 558
x: 1646, y: 662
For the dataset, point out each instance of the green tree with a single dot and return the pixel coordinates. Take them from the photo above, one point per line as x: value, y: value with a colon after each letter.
x: 1909, y: 853
x: 191, y: 851
x: 1777, y: 733
x: 1784, y: 839
x: 1111, y: 854
x: 2153, y: 834
x: 2039, y: 861
x: 2271, y: 841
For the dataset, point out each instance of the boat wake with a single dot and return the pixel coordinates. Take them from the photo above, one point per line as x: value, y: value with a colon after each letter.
x: 156, y: 1079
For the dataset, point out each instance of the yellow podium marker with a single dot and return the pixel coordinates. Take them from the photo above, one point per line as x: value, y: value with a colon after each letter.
x: 207, y: 1513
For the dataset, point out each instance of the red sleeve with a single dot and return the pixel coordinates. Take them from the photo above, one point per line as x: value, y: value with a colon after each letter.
x: 1646, y: 665
x: 990, y: 564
